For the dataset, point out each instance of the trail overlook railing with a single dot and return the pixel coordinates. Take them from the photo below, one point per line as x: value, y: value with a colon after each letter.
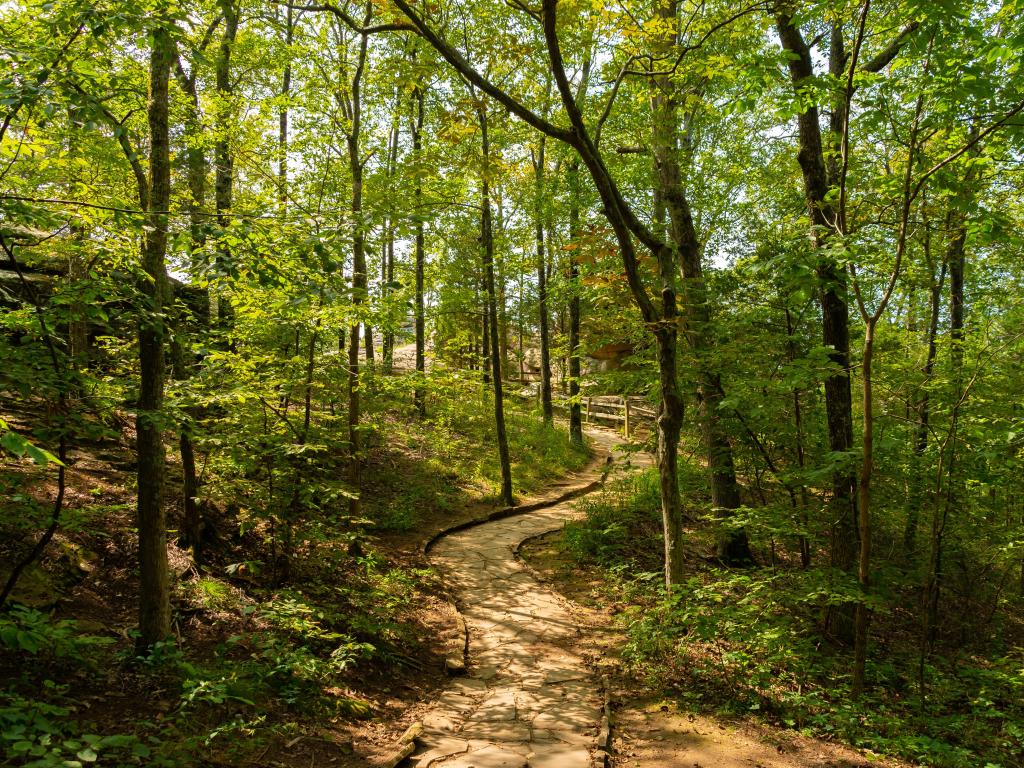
x: 625, y: 412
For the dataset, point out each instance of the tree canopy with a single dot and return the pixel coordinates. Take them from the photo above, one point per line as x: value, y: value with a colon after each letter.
x: 260, y: 246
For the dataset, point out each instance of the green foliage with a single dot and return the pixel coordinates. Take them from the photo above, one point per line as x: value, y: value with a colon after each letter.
x: 36, y: 734
x: 24, y: 630
x: 18, y: 446
x: 749, y: 643
x: 263, y: 291
x: 622, y: 524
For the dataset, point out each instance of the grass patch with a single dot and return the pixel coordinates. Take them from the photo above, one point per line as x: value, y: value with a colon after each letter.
x: 450, y: 458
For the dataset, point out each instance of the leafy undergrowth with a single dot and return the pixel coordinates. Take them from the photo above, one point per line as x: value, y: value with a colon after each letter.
x: 429, y: 469
x: 305, y: 628
x: 749, y: 643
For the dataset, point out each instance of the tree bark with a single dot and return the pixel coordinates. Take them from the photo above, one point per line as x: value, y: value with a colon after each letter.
x: 485, y: 334
x: 575, y: 409
x: 487, y: 238
x: 499, y: 284
x: 835, y: 312
x: 420, y: 394
x: 956, y: 253
x: 923, y: 408
x: 539, y: 161
x: 224, y: 161
x: 862, y: 616
x: 197, y: 169
x: 354, y: 110
x: 798, y: 425
x: 154, y: 589
x: 282, y: 128
x: 388, y: 255
x: 732, y: 546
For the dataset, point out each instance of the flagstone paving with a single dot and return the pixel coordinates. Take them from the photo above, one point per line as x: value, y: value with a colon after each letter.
x: 528, y: 700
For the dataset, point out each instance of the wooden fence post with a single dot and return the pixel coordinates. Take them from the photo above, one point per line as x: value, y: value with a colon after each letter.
x: 626, y: 400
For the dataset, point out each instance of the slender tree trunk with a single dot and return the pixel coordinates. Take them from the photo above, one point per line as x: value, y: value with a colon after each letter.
x: 798, y: 425
x: 487, y: 238
x: 862, y: 613
x: 732, y: 547
x: 358, y: 274
x: 388, y: 272
x: 368, y: 333
x: 542, y: 284
x: 575, y: 410
x: 197, y: 168
x: 922, y: 427
x: 499, y: 285
x: 224, y: 161
x: 78, y: 326
x: 956, y: 259
x: 282, y: 131
x: 388, y: 340
x: 154, y: 589
x: 521, y: 329
x: 835, y: 313
x: 420, y: 394
x: 485, y: 335
x: 956, y: 228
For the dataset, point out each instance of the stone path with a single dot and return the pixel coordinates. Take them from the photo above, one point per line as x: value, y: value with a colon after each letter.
x: 529, y: 699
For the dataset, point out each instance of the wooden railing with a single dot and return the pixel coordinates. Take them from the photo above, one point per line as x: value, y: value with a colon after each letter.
x: 626, y: 412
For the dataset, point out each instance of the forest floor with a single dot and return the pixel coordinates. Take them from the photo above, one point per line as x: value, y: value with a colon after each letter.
x: 541, y: 650
x: 649, y: 729
x: 545, y: 687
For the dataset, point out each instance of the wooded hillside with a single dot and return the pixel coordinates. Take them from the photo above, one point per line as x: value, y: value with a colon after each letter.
x: 287, y: 288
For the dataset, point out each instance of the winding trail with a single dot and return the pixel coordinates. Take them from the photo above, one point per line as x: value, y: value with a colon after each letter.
x: 529, y: 698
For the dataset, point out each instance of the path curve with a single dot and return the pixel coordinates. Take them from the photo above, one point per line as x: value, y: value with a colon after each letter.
x: 529, y: 700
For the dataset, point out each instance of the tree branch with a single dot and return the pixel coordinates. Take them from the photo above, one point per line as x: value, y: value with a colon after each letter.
x: 355, y: 26
x: 121, y: 135
x: 464, y: 68
x: 881, y: 61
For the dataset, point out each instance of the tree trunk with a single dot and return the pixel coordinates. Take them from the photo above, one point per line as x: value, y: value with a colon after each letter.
x: 154, y: 589
x: 358, y: 275
x: 921, y: 429
x: 798, y: 425
x: 420, y: 394
x: 835, y: 315
x: 388, y: 254
x: 282, y: 133
x: 485, y: 335
x: 862, y: 612
x: 542, y: 285
x: 956, y: 228
x: 197, y: 169
x: 732, y: 547
x: 499, y: 288
x: 78, y: 325
x: 224, y: 162
x: 487, y: 238
x: 575, y: 410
